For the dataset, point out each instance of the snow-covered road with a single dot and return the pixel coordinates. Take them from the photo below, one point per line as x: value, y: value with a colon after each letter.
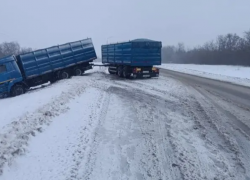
x: 100, y: 127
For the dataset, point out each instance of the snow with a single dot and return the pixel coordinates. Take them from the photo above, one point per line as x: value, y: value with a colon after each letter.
x: 98, y: 126
x: 21, y: 105
x: 98, y: 63
x: 233, y: 74
x: 59, y: 144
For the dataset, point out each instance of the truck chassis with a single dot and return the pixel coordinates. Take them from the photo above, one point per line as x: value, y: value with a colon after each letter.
x: 133, y: 72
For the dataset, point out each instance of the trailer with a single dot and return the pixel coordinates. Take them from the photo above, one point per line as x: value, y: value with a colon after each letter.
x: 134, y: 58
x: 19, y: 73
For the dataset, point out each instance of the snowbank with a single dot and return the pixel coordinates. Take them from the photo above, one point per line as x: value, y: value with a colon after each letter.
x: 234, y: 74
x: 55, y: 152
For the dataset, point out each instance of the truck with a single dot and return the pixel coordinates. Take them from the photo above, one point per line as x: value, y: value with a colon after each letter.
x: 133, y: 59
x: 19, y: 73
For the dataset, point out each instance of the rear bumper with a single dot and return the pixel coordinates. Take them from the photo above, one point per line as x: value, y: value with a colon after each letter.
x: 144, y: 75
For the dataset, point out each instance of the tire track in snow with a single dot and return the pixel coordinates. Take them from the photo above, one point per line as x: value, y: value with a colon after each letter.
x: 217, y: 136
x: 85, y: 168
x: 150, y: 161
x: 192, y: 167
x: 86, y: 140
x: 150, y: 93
x: 237, y: 115
x: 145, y: 116
x: 229, y: 126
x: 220, y: 157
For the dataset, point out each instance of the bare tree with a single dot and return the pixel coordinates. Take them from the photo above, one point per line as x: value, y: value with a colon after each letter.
x: 168, y: 53
x: 229, y: 49
x: 247, y: 37
x: 12, y: 48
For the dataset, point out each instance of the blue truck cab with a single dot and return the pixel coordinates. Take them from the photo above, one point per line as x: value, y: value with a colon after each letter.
x: 9, y: 74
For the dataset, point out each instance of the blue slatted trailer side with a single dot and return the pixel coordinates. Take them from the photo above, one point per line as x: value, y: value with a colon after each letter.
x: 56, y: 58
x: 134, y: 58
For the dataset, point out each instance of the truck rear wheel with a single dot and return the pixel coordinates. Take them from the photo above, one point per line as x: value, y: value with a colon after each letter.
x: 77, y: 72
x: 120, y: 71
x: 126, y: 73
x: 17, y: 90
x: 64, y: 75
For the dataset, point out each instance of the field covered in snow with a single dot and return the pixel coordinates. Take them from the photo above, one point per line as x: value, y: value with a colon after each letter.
x: 234, y: 74
x: 98, y: 126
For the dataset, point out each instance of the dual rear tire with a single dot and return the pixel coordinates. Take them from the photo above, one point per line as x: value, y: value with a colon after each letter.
x: 123, y: 72
x: 120, y: 71
x: 66, y: 74
x: 126, y: 72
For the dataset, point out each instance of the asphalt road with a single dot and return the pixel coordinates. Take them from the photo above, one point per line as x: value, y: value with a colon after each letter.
x: 231, y: 92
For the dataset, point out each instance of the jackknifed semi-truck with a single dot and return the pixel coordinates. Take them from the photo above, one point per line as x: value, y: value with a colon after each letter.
x: 19, y: 73
x: 133, y: 59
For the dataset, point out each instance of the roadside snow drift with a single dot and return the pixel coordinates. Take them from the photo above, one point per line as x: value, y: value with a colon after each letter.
x: 234, y: 74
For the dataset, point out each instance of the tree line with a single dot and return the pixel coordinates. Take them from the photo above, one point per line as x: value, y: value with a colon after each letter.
x: 10, y: 48
x: 229, y: 49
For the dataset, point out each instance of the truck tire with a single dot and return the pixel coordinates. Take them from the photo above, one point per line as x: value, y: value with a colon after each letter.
x: 17, y: 90
x: 111, y: 72
x: 126, y: 73
x: 120, y: 71
x: 64, y: 75
x: 77, y: 72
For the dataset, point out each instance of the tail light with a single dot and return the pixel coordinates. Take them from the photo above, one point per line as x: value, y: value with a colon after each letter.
x: 135, y: 70
x: 155, y: 69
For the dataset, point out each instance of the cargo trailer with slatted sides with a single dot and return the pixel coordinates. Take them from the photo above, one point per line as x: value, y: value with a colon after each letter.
x: 133, y: 59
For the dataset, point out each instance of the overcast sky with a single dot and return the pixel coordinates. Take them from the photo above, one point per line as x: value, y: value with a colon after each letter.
x: 44, y: 23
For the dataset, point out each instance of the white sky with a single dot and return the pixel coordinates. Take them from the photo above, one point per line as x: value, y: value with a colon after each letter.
x: 44, y: 23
